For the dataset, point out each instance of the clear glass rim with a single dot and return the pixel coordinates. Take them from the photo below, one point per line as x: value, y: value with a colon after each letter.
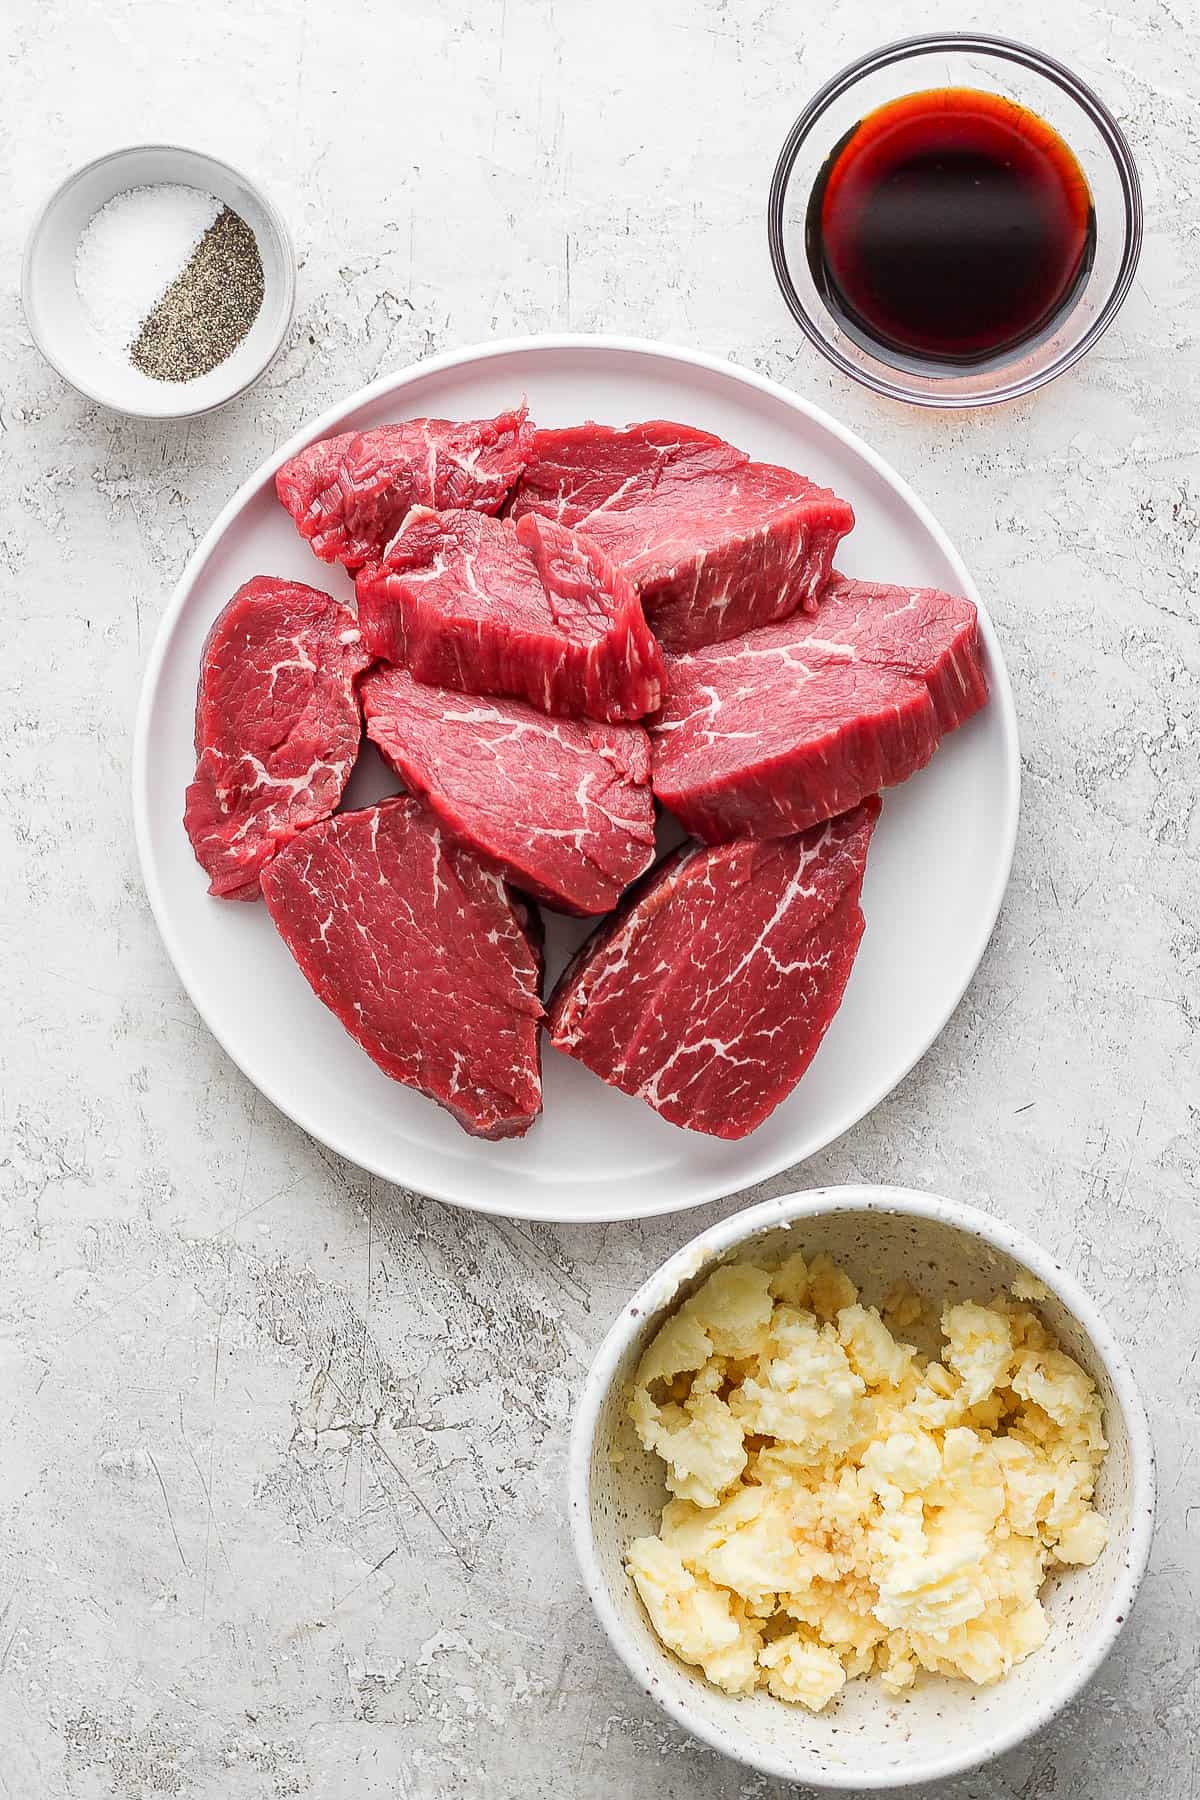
x: 1009, y: 50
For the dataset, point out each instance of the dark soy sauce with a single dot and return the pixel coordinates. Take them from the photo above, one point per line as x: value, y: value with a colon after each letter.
x: 950, y: 227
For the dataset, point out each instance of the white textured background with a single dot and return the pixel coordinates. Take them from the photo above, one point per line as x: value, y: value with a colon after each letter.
x: 281, y: 1447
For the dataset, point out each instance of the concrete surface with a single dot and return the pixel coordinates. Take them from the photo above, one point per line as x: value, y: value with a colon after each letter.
x: 281, y: 1454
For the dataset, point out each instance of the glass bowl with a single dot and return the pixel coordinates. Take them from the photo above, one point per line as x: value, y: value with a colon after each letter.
x: 995, y: 66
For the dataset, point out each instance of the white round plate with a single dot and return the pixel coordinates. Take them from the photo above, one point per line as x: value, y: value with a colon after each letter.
x: 936, y: 875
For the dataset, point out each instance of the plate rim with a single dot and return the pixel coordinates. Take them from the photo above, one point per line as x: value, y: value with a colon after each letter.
x: 604, y: 1208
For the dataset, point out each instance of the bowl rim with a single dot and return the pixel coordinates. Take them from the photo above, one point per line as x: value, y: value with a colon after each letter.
x: 275, y: 220
x: 752, y: 1222
x: 982, y: 44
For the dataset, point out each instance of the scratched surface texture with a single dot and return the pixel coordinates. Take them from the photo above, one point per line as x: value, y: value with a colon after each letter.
x: 281, y: 1448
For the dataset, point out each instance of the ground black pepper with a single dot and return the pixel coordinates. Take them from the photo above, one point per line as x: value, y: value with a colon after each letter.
x: 208, y: 308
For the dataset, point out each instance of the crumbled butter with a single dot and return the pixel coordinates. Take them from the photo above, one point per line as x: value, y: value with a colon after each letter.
x: 842, y: 1505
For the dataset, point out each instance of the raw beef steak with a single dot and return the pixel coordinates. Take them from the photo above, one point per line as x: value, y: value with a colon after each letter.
x: 714, y: 543
x: 561, y: 807
x: 708, y: 991
x: 277, y: 727
x: 423, y: 954
x: 530, y: 610
x: 349, y: 494
x: 776, y: 730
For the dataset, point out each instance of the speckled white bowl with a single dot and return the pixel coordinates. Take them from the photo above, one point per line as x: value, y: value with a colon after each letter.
x: 868, y: 1739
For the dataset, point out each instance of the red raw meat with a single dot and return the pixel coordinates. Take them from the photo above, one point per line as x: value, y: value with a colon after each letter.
x: 349, y: 494
x: 774, y: 731
x: 530, y: 610
x: 561, y: 807
x: 715, y: 544
x: 277, y: 727
x: 424, y: 955
x: 708, y: 991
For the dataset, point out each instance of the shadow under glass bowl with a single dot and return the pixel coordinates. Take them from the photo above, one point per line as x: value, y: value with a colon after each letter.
x: 1031, y: 80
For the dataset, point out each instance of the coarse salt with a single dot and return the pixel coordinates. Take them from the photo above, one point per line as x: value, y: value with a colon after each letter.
x: 132, y: 249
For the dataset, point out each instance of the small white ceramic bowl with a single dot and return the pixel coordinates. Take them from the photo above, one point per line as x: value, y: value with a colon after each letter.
x: 867, y: 1740
x: 55, y: 313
